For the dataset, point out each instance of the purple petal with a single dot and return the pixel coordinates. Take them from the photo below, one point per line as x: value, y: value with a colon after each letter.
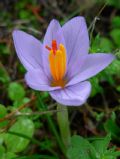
x: 36, y: 79
x: 54, y: 32
x: 75, y: 95
x: 93, y: 64
x: 75, y: 68
x: 28, y: 49
x: 76, y: 39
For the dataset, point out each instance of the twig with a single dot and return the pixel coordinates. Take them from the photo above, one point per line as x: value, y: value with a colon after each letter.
x: 38, y: 113
x: 89, y: 108
x: 105, y: 103
x: 7, y: 117
x: 92, y: 25
x: 4, y: 129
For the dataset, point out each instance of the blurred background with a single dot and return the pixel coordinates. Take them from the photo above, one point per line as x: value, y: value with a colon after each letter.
x: 99, y: 116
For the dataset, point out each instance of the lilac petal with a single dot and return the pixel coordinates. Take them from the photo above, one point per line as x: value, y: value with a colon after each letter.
x: 36, y: 79
x: 74, y: 95
x: 76, y: 39
x: 93, y: 64
x: 76, y: 67
x: 28, y: 49
x: 54, y: 32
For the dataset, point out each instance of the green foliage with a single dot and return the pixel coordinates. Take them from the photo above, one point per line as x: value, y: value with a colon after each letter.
x: 101, y: 44
x: 105, y: 44
x: 14, y: 143
x: 17, y: 103
x: 1, y: 138
x: 24, y: 14
x: 23, y: 127
x: 22, y: 4
x: 114, y: 68
x: 95, y: 44
x: 4, y: 78
x: 115, y: 3
x: 96, y: 88
x: 46, y: 144
x: 99, y: 116
x: 115, y: 34
x: 111, y: 127
x: 80, y: 149
x: 16, y: 91
x: 2, y: 151
x: 116, y: 22
x: 97, y: 149
x: 36, y: 157
x: 6, y: 155
x: 101, y: 145
x: 3, y: 112
x: 4, y: 50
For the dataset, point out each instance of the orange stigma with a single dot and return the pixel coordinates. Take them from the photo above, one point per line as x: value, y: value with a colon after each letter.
x: 57, y: 63
x: 54, y: 47
x: 47, y: 47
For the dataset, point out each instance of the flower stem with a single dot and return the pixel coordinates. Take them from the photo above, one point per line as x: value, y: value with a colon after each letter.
x: 63, y: 122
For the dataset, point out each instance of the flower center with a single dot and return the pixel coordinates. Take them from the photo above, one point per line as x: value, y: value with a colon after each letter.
x: 57, y: 63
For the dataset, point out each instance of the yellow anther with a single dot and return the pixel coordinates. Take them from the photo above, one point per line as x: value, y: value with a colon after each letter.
x: 57, y: 62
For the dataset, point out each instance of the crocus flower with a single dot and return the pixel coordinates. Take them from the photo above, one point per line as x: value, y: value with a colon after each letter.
x: 61, y: 64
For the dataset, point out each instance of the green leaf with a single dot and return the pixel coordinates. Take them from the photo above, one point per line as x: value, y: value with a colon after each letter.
x: 17, y: 103
x: 46, y: 144
x: 101, y: 44
x: 4, y: 49
x: 37, y: 157
x: 95, y: 44
x: 24, y: 127
x: 114, y: 68
x: 80, y: 149
x: 24, y: 14
x: 118, y: 88
x: 101, y: 144
x: 96, y: 88
x: 44, y: 95
x: 2, y: 138
x: 115, y: 34
x: 16, y: 91
x: 3, y: 112
x: 116, y: 22
x: 97, y: 149
x: 99, y: 116
x: 106, y: 76
x: 111, y: 127
x: 6, y: 155
x: 115, y: 3
x: 10, y: 155
x: 117, y: 54
x: 105, y: 45
x: 2, y: 152
x: 4, y: 78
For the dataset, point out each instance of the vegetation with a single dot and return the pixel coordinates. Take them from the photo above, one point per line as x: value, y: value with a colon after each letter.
x: 28, y: 122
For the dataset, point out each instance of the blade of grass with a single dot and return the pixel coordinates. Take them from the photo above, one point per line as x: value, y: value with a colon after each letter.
x: 36, y: 157
x: 33, y: 140
x: 50, y: 122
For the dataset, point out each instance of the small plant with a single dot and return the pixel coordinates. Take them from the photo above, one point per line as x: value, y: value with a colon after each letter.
x: 96, y: 149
